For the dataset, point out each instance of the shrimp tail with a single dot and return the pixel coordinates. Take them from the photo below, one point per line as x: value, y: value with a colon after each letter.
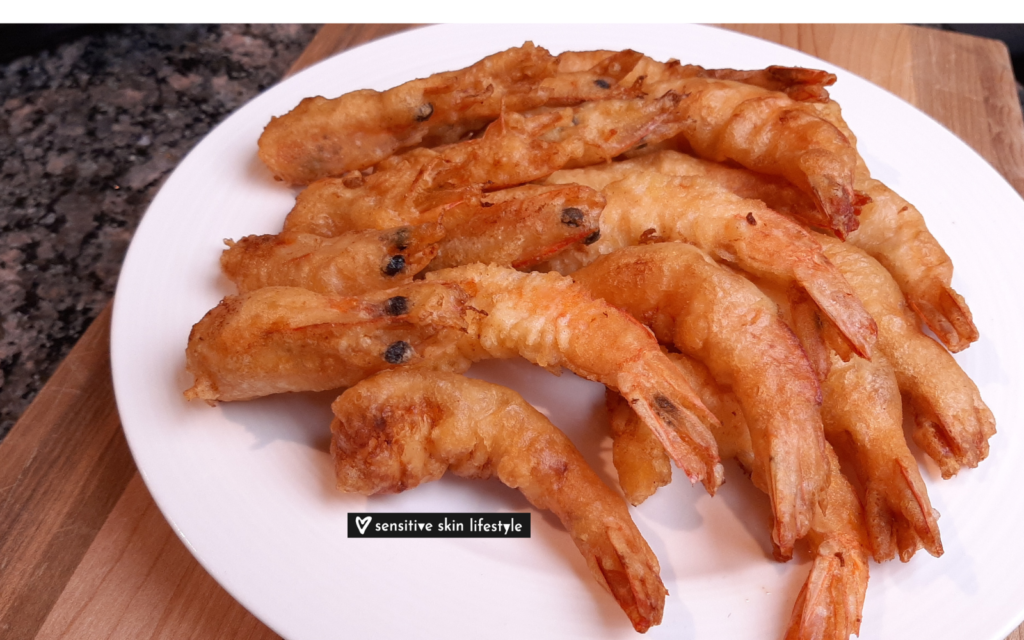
x: 630, y: 573
x: 948, y: 316
x: 925, y: 517
x: 395, y: 431
x: 837, y: 199
x: 841, y: 305
x: 831, y: 601
x: 956, y: 440
x: 678, y: 418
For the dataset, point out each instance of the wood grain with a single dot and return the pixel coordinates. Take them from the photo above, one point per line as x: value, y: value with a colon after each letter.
x: 67, y: 452
x: 84, y: 552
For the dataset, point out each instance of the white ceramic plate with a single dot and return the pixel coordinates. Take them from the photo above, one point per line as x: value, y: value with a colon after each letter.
x: 249, y: 486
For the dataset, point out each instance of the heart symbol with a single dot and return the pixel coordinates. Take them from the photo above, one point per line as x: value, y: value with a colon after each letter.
x: 362, y: 523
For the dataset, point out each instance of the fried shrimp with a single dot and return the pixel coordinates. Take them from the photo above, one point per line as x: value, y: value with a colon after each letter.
x: 322, y: 138
x: 763, y: 130
x: 552, y: 322
x: 777, y: 193
x: 279, y: 339
x: 952, y: 423
x: 894, y: 232
x: 830, y: 603
x: 519, y: 227
x: 639, y: 458
x: 863, y: 416
x: 399, y: 429
x: 348, y: 265
x: 744, y: 233
x: 579, y: 78
x: 722, y: 319
x: 514, y: 150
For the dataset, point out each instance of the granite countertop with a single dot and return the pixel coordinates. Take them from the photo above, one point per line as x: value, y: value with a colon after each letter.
x: 88, y: 132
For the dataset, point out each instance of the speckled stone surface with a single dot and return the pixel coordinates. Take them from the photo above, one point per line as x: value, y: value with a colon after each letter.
x: 88, y: 132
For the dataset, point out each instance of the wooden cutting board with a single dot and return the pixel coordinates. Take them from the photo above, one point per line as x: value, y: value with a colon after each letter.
x: 85, y: 553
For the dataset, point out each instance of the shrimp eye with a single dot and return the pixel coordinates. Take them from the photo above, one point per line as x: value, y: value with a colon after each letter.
x: 424, y: 112
x: 572, y: 217
x: 398, y: 352
x: 592, y: 238
x: 601, y: 82
x: 394, y: 265
x: 751, y: 219
x: 397, y: 306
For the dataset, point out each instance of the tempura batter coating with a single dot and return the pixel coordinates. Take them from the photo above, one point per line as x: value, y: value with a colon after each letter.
x: 799, y: 83
x: 862, y: 411
x: 351, y: 264
x: 776, y: 192
x: 552, y: 322
x: 514, y: 150
x: 723, y: 320
x: 952, y: 423
x: 279, y: 339
x: 894, y: 232
x: 519, y: 227
x: 399, y: 429
x: 830, y: 603
x: 745, y: 233
x: 766, y: 131
x: 322, y: 138
x: 639, y: 458
x: 863, y: 414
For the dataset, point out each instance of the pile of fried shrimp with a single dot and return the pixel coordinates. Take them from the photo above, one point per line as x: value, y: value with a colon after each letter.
x: 706, y: 243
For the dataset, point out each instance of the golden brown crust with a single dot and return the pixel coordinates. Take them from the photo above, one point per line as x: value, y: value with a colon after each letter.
x: 723, y: 320
x: 401, y: 428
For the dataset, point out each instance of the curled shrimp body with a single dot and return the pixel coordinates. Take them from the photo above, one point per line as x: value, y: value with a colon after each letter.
x: 745, y: 233
x: 347, y: 265
x: 862, y: 411
x: 952, y: 422
x: 722, y: 319
x: 279, y: 339
x: 766, y: 131
x: 894, y: 232
x: 830, y: 603
x: 550, y: 321
x: 402, y: 428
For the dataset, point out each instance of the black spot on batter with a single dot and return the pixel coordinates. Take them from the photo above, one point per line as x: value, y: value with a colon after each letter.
x: 424, y: 112
x: 398, y: 352
x: 592, y: 238
x: 572, y: 217
x: 394, y: 265
x: 397, y: 306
